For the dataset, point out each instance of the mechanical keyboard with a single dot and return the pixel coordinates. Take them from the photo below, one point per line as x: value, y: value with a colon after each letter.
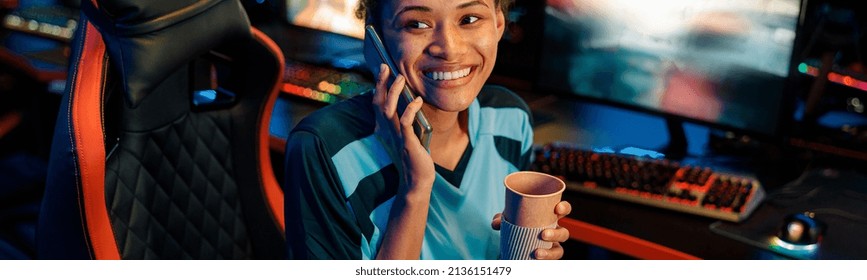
x: 655, y: 182
x: 52, y: 21
x: 323, y: 84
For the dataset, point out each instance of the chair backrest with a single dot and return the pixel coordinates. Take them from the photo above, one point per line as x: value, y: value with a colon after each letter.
x: 161, y: 145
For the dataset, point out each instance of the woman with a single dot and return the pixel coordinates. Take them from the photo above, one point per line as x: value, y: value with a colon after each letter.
x: 359, y: 183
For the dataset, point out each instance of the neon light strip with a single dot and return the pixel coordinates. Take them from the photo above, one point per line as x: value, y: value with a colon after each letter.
x: 834, y: 77
x: 308, y: 93
x: 793, y: 247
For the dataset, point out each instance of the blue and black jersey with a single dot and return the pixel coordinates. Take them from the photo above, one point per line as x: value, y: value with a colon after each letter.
x: 340, y: 181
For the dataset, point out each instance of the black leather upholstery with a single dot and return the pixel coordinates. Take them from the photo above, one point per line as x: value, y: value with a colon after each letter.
x: 148, y: 39
x: 181, y: 180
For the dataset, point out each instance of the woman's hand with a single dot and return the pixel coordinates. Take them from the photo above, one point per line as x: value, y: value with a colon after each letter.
x: 418, y: 168
x: 408, y: 217
x: 555, y: 235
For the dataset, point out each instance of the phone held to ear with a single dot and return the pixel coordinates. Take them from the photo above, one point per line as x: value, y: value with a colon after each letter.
x: 421, y: 126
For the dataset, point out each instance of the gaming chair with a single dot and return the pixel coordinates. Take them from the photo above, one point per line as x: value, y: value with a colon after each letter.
x: 161, y: 144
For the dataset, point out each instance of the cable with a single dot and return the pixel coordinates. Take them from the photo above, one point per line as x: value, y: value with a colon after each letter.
x: 840, y: 213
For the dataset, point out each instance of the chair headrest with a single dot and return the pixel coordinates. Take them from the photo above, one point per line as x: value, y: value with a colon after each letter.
x: 149, y: 39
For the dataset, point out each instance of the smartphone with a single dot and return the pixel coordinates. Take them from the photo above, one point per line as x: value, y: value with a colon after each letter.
x: 421, y: 126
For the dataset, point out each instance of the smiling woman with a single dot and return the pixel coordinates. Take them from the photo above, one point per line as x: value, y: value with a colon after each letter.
x: 359, y: 183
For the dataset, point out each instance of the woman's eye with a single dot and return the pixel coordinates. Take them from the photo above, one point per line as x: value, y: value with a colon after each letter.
x: 417, y: 25
x: 469, y: 19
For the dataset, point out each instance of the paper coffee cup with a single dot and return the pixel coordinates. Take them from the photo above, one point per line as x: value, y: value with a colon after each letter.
x: 530, y: 201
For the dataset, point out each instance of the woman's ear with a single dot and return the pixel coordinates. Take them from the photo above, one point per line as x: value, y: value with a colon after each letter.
x: 501, y: 23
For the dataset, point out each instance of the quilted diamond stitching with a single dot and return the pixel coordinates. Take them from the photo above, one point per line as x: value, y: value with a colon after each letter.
x: 173, y: 196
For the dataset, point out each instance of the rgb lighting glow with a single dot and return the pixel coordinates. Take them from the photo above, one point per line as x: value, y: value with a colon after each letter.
x: 776, y: 241
x: 793, y: 250
x: 834, y: 77
x: 308, y: 93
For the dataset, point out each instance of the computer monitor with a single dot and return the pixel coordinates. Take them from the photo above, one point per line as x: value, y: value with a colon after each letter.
x: 336, y: 16
x: 720, y: 62
x: 321, y: 32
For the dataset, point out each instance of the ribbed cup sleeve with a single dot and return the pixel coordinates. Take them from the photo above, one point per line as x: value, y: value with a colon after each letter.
x: 519, y: 243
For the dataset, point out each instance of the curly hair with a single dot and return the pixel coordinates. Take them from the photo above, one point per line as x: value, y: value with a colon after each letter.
x: 368, y: 6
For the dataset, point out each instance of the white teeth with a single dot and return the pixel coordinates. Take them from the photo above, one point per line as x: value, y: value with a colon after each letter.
x: 448, y: 75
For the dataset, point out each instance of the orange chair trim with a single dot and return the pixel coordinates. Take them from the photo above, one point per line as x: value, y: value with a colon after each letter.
x: 87, y: 125
x: 273, y: 192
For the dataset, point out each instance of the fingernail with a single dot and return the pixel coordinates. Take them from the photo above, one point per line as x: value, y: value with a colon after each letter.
x: 382, y: 67
x: 541, y: 254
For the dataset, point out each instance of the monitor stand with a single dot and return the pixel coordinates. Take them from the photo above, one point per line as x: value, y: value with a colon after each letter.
x: 677, y: 146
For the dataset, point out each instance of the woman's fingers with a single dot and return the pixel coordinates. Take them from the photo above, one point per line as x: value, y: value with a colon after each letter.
x: 497, y: 221
x: 386, y: 97
x: 559, y: 234
x: 563, y: 209
x: 408, y: 119
x: 381, y: 86
x: 390, y: 106
x: 555, y: 253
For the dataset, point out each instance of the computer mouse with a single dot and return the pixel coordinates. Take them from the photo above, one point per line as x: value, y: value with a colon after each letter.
x: 801, y: 229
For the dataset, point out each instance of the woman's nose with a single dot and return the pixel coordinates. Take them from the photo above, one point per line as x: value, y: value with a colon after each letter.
x: 447, y: 44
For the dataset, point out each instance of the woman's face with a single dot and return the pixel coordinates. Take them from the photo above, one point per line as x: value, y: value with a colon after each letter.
x: 445, y: 48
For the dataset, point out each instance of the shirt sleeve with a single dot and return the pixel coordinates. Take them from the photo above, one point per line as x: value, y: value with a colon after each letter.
x: 319, y: 223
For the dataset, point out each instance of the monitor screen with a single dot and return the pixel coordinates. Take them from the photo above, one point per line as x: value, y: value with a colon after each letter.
x: 337, y: 16
x: 324, y: 54
x: 722, y: 62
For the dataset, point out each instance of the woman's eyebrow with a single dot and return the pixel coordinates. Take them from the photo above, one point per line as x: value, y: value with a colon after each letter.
x: 472, y: 3
x: 428, y: 9
x: 412, y: 8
